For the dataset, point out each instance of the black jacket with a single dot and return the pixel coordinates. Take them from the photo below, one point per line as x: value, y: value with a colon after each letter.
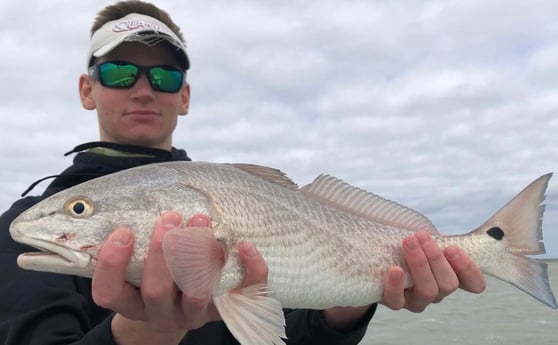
x: 39, y: 308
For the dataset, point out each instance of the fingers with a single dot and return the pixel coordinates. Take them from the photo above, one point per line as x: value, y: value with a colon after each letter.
x: 109, y: 287
x: 394, y: 297
x: 433, y: 275
x: 425, y: 289
x: 254, y: 264
x: 445, y: 279
x: 157, y: 286
x: 198, y: 312
x: 158, y: 303
x: 470, y: 276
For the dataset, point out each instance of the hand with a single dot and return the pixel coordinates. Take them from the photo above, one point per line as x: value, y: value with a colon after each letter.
x: 157, y: 312
x: 436, y: 274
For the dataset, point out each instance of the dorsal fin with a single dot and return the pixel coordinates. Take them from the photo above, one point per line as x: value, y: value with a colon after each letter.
x: 270, y: 174
x: 365, y: 204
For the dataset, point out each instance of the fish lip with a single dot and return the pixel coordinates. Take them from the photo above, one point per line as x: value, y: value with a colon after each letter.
x: 52, y: 255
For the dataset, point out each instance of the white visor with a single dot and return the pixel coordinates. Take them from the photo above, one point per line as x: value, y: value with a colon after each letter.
x: 135, y: 28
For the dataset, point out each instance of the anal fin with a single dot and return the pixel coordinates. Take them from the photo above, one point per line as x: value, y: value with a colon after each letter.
x: 251, y: 316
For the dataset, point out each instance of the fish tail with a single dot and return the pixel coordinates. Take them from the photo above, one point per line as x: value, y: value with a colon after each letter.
x: 515, y: 231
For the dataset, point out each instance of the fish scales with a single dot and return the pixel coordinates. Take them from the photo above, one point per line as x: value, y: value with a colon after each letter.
x: 283, y: 223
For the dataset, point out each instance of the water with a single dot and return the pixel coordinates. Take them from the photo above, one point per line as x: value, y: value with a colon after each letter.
x: 500, y: 315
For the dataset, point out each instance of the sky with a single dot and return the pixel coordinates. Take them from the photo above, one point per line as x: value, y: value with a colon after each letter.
x: 448, y: 107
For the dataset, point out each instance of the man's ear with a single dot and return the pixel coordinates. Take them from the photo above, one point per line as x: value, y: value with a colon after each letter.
x: 185, y: 100
x: 86, y: 92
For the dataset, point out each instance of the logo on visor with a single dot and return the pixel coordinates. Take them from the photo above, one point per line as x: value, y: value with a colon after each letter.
x: 129, y: 25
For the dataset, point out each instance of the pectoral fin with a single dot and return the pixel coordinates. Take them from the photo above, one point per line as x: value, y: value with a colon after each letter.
x: 194, y: 259
x: 251, y: 316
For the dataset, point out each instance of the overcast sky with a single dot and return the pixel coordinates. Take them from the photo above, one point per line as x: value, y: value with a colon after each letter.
x: 449, y: 107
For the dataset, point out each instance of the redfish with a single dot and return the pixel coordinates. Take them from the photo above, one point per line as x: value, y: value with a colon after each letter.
x: 326, y: 244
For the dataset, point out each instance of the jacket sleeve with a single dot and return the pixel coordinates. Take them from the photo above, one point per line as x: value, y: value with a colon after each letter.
x: 40, y: 308
x: 308, y: 327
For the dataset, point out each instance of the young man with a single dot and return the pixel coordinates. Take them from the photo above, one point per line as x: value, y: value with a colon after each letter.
x: 136, y: 83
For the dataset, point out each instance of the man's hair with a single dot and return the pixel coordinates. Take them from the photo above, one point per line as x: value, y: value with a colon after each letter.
x: 123, y: 8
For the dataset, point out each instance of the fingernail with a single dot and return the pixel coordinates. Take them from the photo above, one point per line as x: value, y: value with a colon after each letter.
x: 251, y: 251
x: 411, y: 243
x: 172, y: 220
x: 452, y: 253
x: 121, y: 238
x: 396, y: 276
x: 199, y: 220
x: 423, y: 237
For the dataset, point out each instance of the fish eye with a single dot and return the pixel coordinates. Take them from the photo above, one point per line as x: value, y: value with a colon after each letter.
x: 80, y: 207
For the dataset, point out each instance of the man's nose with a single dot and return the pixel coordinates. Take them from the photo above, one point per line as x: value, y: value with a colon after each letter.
x: 142, y: 88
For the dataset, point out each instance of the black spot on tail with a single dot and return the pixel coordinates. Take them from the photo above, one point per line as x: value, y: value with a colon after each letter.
x: 496, y: 233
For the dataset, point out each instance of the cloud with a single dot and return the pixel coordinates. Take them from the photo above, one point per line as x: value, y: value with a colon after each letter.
x: 447, y: 107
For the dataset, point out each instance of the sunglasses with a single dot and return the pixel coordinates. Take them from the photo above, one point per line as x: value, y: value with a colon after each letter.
x: 123, y: 75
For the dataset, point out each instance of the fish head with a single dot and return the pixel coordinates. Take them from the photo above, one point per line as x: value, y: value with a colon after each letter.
x: 61, y: 227
x: 69, y: 227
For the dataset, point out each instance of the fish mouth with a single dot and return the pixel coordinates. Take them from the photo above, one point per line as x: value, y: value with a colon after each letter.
x: 54, y: 258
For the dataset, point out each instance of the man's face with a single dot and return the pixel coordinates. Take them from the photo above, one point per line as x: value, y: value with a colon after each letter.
x: 138, y: 115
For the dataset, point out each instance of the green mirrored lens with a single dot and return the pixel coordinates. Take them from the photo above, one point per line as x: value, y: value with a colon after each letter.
x: 119, y: 74
x: 114, y: 75
x: 166, y: 80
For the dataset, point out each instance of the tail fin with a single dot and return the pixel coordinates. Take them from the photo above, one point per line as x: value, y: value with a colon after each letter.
x: 518, y: 226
